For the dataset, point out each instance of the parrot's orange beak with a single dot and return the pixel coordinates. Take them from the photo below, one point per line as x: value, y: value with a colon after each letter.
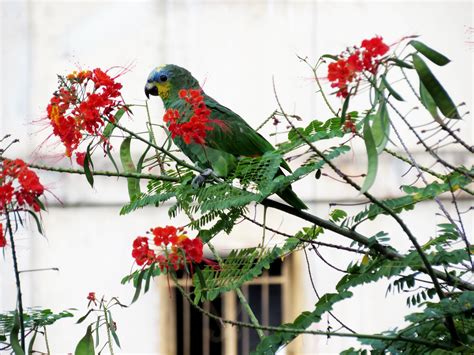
x: 151, y: 89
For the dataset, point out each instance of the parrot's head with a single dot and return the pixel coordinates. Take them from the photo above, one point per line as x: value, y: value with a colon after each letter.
x: 166, y: 81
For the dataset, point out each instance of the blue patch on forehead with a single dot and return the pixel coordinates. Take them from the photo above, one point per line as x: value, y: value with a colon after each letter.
x: 156, y: 74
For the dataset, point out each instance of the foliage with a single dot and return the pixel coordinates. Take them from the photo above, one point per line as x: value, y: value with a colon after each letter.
x: 433, y: 274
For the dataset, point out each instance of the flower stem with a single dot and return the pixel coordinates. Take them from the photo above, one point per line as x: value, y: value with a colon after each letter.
x: 48, y: 351
x: 107, y: 326
x: 17, y: 277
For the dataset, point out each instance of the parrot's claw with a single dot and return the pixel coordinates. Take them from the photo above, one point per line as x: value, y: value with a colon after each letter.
x: 200, y: 179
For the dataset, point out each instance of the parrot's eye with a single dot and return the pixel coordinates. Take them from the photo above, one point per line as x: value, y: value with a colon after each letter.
x: 163, y: 78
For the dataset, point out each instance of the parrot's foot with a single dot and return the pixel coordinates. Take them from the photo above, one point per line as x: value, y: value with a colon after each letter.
x: 200, y: 179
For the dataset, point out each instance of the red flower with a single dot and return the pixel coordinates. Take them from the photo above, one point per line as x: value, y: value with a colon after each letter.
x: 193, y: 249
x: 80, y: 156
x: 349, y: 69
x: 91, y: 298
x: 142, y: 252
x: 3, y: 241
x: 6, y: 194
x: 77, y: 108
x: 375, y: 46
x: 177, y: 250
x: 17, y: 180
x: 195, y: 129
x: 163, y: 235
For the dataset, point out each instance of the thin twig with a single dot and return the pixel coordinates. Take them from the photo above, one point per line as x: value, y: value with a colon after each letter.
x: 122, y: 174
x: 309, y: 241
x: 450, y: 323
x: 388, y: 252
x: 306, y: 331
x: 17, y: 278
x: 317, y: 293
x: 241, y: 297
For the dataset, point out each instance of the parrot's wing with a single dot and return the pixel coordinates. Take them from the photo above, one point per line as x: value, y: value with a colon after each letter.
x: 235, y: 136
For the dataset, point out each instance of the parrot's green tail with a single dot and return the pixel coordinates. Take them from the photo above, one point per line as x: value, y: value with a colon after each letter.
x: 289, y: 196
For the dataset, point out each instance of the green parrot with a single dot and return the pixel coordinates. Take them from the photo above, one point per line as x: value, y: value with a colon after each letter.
x: 228, y: 141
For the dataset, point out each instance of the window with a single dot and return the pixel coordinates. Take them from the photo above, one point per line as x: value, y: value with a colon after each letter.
x: 195, y: 334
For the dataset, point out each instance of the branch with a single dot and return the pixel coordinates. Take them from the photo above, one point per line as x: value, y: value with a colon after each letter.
x: 102, y: 172
x: 312, y: 332
x: 429, y: 269
x: 164, y: 151
x: 387, y: 252
x: 309, y: 241
x: 17, y: 278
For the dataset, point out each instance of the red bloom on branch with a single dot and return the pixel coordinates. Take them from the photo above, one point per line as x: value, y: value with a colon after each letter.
x: 348, y: 70
x: 375, y: 46
x: 3, y: 241
x: 17, y: 180
x: 82, y: 103
x: 142, y: 252
x: 195, y: 129
x: 91, y: 298
x: 163, y: 235
x: 174, y: 249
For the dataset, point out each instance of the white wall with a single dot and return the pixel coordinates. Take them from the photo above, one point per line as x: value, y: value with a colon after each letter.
x: 236, y: 47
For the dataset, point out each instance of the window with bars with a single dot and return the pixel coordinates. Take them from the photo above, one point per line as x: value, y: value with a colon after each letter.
x: 195, y: 334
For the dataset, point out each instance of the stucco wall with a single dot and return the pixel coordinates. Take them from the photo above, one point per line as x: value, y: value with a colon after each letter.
x: 235, y: 48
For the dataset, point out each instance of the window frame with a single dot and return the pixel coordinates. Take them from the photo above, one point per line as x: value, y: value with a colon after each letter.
x: 292, y: 298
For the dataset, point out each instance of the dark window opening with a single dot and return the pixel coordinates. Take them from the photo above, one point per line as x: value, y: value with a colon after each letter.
x: 196, y: 334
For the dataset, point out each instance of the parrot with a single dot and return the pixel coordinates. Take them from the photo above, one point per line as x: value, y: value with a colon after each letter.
x: 230, y: 140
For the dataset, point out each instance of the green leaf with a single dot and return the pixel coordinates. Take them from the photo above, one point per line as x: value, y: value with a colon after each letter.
x: 80, y: 320
x: 203, y: 287
x: 428, y: 102
x: 149, y: 277
x: 381, y: 127
x: 109, y: 154
x: 337, y: 214
x: 138, y: 286
x: 142, y: 159
x: 32, y: 342
x: 239, y: 267
x: 128, y: 166
x: 436, y: 90
x: 372, y: 156
x: 86, y: 344
x: 345, y: 105
x: 110, y: 126
x: 14, y: 341
x: 112, y: 329
x: 395, y: 94
x: 400, y: 63
x: 89, y: 167
x: 430, y: 53
x: 330, y: 56
x: 37, y: 221
x: 273, y: 342
x: 97, y: 337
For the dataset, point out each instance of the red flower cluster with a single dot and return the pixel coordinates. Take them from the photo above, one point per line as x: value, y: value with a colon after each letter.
x: 80, y: 104
x: 349, y: 68
x: 17, y: 180
x: 196, y: 128
x: 176, y: 249
x: 3, y: 240
x: 91, y: 298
